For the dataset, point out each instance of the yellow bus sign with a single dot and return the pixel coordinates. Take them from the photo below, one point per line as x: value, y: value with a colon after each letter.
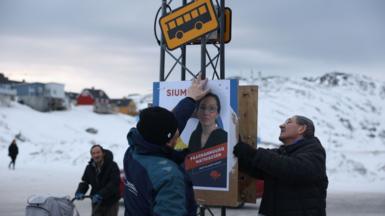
x: 188, y: 23
x: 214, y: 38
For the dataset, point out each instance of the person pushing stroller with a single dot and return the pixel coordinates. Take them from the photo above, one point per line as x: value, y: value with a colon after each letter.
x: 102, y: 173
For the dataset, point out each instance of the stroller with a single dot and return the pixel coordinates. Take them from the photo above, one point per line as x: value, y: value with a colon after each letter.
x: 51, y: 206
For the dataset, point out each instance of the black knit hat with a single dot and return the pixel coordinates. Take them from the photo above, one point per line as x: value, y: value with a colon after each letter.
x: 157, y: 125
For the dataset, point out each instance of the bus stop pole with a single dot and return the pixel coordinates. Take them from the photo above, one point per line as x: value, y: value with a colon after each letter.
x: 223, y: 211
x: 221, y: 40
x: 162, y: 48
x: 202, y: 211
x: 183, y: 69
x: 203, y: 57
x: 222, y: 58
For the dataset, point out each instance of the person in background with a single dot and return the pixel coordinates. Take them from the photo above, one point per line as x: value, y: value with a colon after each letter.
x: 294, y: 174
x: 156, y: 184
x: 13, y: 151
x: 102, y: 173
x: 207, y: 133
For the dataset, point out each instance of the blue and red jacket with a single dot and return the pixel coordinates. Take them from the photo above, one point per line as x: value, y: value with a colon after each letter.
x: 156, y: 184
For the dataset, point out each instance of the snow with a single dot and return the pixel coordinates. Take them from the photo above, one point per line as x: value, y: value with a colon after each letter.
x: 58, y: 137
x: 349, y: 118
x: 44, y: 179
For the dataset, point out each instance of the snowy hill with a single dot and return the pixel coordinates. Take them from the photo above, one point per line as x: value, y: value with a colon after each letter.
x: 348, y: 111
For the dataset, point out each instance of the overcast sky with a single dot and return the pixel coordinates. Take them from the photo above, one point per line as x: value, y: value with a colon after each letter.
x: 110, y: 44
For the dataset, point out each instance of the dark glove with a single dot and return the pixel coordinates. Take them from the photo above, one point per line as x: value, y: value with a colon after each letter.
x: 79, y: 196
x: 97, y: 199
x: 245, y: 154
x: 244, y: 151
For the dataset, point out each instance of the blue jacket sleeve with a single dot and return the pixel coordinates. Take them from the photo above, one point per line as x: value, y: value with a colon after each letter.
x: 183, y: 111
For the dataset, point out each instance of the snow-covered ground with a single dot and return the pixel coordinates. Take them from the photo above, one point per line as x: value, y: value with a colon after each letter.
x: 348, y: 111
x: 61, y: 137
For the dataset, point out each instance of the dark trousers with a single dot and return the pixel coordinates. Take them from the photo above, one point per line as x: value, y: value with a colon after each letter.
x: 110, y: 210
x: 12, y: 163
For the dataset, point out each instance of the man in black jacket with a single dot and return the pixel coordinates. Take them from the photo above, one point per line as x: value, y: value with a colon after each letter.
x: 294, y: 174
x: 102, y: 173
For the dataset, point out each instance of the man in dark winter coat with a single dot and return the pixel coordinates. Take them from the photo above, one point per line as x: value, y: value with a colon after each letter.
x: 294, y: 174
x: 13, y: 150
x: 156, y: 184
x: 102, y: 173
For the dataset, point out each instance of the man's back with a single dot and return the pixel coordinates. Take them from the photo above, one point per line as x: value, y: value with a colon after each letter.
x: 13, y: 150
x: 154, y: 186
x: 297, y: 181
x: 295, y: 174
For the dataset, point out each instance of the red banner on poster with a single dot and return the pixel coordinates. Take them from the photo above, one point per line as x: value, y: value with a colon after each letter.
x: 206, y: 156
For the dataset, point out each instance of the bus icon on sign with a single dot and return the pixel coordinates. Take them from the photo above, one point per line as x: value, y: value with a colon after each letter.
x: 188, y: 23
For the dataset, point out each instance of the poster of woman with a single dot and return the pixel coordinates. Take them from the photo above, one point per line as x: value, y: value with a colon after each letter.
x: 209, y: 134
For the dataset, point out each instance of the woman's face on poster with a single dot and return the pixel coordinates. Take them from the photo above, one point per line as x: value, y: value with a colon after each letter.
x: 208, y: 111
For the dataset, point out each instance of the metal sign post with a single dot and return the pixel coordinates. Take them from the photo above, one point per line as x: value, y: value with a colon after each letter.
x: 162, y: 48
x: 194, y: 22
x: 183, y: 48
x: 221, y: 40
x: 213, y: 59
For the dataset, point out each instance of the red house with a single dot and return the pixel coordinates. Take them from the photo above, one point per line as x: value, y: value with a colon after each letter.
x: 92, y: 96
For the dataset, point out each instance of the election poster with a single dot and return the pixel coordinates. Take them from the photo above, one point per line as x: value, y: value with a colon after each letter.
x: 210, y: 134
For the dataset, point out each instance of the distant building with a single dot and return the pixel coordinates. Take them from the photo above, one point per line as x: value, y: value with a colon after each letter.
x: 96, y: 97
x: 90, y: 96
x: 70, y: 99
x: 7, y: 91
x: 125, y: 105
x: 73, y: 96
x: 7, y: 94
x: 41, y: 96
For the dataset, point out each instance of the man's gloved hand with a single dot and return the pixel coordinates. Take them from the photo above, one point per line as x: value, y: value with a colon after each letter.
x: 97, y: 199
x: 245, y: 154
x: 244, y: 151
x: 79, y: 196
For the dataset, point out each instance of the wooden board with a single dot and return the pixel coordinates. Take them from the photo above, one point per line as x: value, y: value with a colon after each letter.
x: 248, y: 118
